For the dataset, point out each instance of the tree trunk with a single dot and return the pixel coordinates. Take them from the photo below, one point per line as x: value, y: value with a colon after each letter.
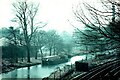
x: 36, y: 55
x: 50, y: 51
x: 28, y: 53
x: 41, y: 53
x: 22, y: 58
x: 54, y: 50
x: 36, y: 51
x: 16, y: 58
x: 16, y: 54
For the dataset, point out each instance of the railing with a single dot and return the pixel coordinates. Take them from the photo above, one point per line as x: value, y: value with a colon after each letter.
x: 59, y: 73
x: 112, y: 71
x: 101, y: 73
x: 117, y: 75
x: 98, y: 70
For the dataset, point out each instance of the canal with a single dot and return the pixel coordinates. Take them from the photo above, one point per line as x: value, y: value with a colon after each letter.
x: 39, y: 71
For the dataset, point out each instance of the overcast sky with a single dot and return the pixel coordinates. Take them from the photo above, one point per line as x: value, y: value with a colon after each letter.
x: 54, y: 12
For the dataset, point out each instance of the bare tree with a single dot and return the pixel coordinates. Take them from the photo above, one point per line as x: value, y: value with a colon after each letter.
x: 39, y: 41
x: 103, y: 24
x: 51, y: 38
x: 25, y: 13
x: 54, y: 42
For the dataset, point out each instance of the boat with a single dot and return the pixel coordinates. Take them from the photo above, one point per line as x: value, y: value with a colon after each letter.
x: 55, y: 59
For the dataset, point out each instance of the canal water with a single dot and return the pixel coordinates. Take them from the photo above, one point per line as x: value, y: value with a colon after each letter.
x: 39, y: 71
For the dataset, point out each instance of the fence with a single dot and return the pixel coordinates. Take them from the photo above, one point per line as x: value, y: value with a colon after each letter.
x: 59, y: 72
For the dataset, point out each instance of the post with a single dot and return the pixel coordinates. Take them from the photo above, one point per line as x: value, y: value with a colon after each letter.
x: 28, y: 73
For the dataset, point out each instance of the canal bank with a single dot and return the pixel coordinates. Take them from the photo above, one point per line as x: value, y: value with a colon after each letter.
x: 39, y: 71
x: 7, y: 66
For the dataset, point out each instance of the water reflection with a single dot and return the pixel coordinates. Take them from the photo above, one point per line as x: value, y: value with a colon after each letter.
x: 28, y: 73
x: 38, y: 71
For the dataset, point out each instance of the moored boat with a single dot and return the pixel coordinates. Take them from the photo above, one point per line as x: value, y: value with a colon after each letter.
x: 53, y: 60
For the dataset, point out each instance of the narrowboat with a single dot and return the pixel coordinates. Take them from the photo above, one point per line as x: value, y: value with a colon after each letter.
x: 53, y: 60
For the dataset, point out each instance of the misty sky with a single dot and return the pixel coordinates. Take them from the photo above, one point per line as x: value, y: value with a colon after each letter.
x: 54, y: 12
